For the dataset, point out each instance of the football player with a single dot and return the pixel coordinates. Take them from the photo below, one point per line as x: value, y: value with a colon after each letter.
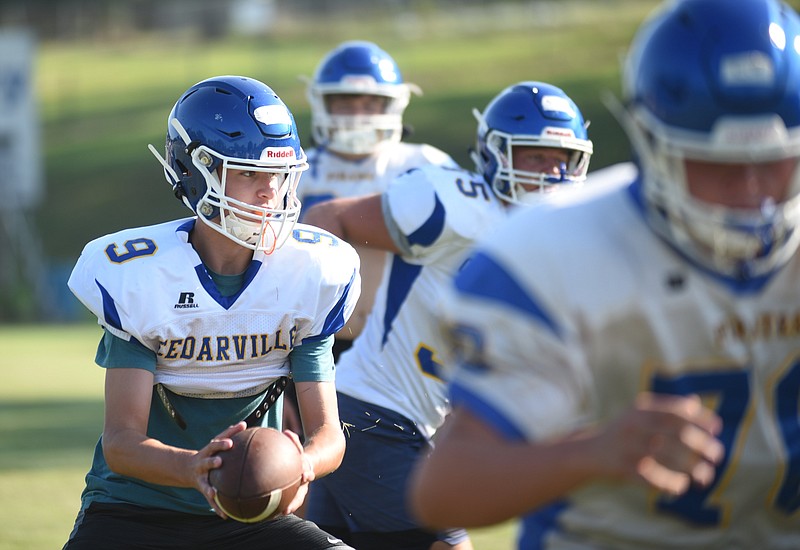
x: 357, y: 96
x: 630, y: 360
x: 203, y: 320
x: 531, y: 143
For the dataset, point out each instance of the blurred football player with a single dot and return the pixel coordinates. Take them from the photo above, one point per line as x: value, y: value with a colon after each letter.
x: 357, y: 97
x: 630, y: 360
x: 204, y: 318
x: 531, y: 141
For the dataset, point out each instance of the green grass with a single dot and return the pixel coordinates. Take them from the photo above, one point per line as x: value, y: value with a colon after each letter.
x: 51, y: 413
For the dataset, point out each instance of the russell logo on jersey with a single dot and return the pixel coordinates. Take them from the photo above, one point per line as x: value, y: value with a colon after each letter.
x: 186, y: 301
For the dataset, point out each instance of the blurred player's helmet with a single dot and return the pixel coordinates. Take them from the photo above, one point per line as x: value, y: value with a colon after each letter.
x: 530, y: 114
x: 234, y: 123
x: 358, y: 67
x: 717, y: 81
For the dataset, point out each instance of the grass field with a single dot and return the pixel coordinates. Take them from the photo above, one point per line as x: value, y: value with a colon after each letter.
x: 50, y: 416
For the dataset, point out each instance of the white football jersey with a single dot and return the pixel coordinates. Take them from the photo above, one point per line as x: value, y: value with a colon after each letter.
x: 330, y: 176
x: 148, y: 283
x: 572, y: 310
x: 394, y: 363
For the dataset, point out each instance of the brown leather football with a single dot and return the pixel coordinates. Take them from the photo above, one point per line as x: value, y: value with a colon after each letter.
x: 259, y: 475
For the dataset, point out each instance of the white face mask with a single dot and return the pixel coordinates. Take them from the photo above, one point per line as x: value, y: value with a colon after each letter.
x: 255, y: 227
x: 357, y: 134
x: 734, y: 242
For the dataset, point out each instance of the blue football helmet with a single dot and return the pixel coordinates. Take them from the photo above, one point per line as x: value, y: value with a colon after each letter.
x: 530, y: 114
x: 717, y: 81
x: 234, y: 123
x: 358, y: 67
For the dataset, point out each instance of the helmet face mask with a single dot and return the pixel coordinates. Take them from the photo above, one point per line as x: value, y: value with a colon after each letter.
x: 357, y: 134
x: 530, y: 114
x: 738, y: 110
x: 517, y: 185
x: 234, y: 123
x: 252, y: 226
x: 357, y: 68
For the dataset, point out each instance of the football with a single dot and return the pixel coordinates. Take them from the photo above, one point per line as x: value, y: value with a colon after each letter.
x: 259, y: 475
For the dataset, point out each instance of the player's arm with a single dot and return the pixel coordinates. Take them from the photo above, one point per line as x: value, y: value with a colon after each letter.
x: 314, y: 374
x: 324, y: 440
x: 129, y: 451
x: 372, y: 262
x: 361, y: 222
x: 474, y: 477
x: 358, y: 220
x: 666, y: 441
x: 323, y: 449
x: 126, y: 447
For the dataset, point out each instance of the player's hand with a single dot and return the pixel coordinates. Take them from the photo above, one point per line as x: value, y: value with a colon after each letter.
x: 669, y: 441
x: 308, y: 476
x: 206, y: 460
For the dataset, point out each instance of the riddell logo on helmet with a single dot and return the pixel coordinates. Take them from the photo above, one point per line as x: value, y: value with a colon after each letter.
x: 560, y: 132
x: 278, y: 153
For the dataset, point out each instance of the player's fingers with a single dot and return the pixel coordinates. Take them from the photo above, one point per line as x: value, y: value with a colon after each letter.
x: 661, y: 477
x: 298, y: 499
x: 691, y: 451
x: 670, y: 469
x: 674, y: 410
x: 295, y: 439
x: 701, y: 416
x: 703, y: 474
x: 308, y: 468
x: 309, y: 474
x: 230, y: 431
x: 211, y: 498
x: 210, y: 451
x: 702, y: 443
x: 202, y: 473
x: 670, y: 441
x: 223, y: 441
x: 206, y: 488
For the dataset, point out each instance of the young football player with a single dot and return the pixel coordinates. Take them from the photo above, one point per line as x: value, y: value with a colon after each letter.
x: 531, y: 141
x: 204, y: 318
x: 357, y: 96
x: 630, y: 360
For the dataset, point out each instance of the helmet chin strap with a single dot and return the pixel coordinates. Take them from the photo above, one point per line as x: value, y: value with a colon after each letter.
x: 258, y: 236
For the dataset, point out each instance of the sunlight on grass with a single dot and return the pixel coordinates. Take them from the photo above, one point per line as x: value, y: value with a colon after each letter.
x: 50, y: 417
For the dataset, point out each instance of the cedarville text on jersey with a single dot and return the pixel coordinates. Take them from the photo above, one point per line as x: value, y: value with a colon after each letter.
x: 225, y: 348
